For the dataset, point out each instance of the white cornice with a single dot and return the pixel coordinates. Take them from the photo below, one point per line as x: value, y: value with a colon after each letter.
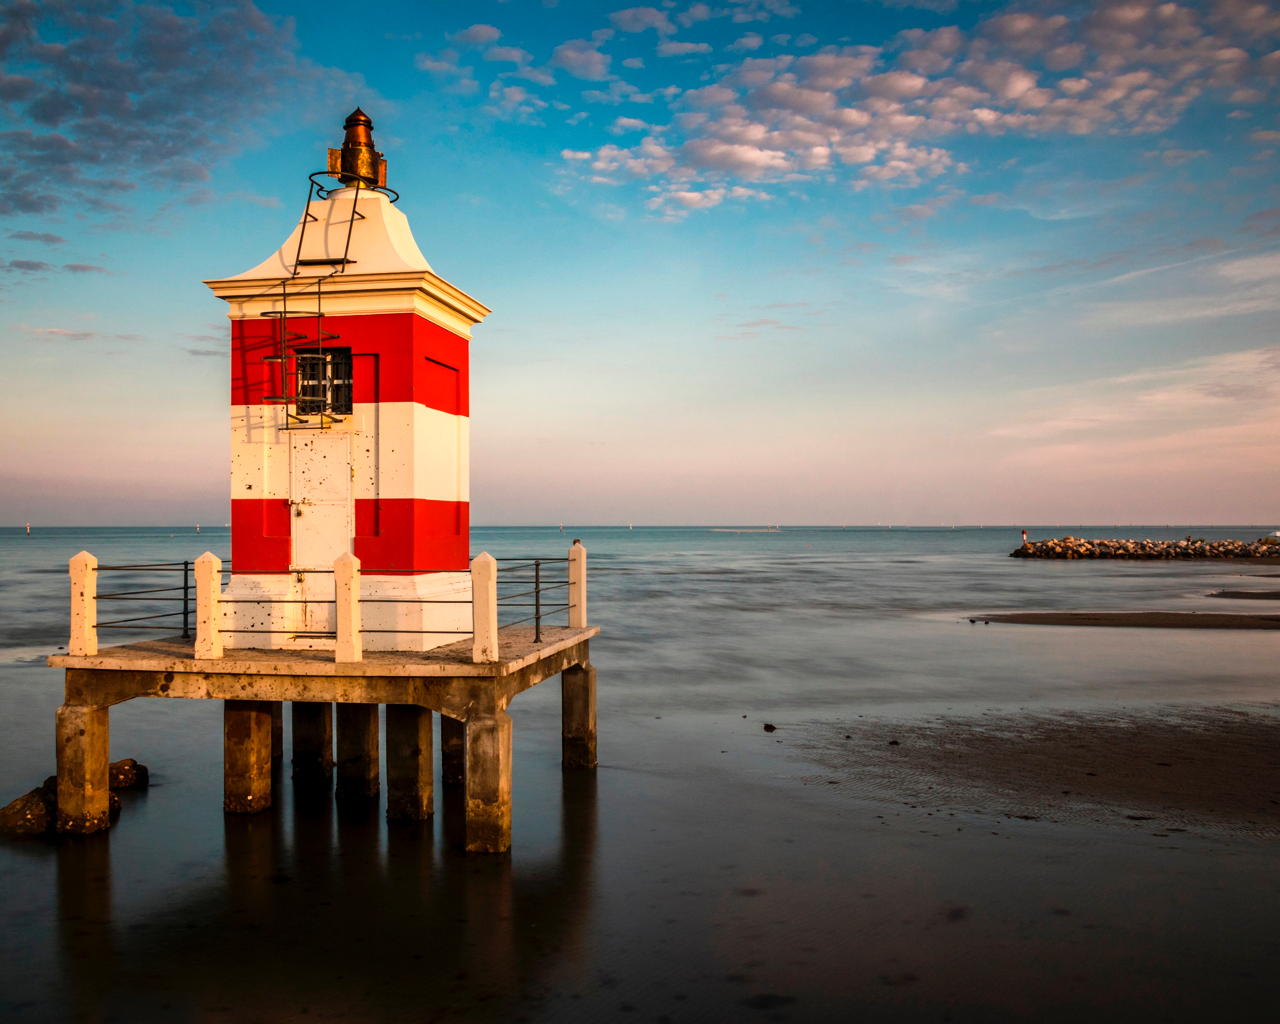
x: 415, y: 291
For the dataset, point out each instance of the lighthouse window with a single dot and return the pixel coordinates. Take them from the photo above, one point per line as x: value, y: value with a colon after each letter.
x: 324, y: 381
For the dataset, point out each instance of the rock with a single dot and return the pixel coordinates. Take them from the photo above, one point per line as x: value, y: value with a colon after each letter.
x: 1078, y: 548
x: 29, y: 815
x: 128, y: 774
x: 770, y: 727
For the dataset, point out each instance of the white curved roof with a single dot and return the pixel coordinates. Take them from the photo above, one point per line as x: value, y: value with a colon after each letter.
x: 381, y: 241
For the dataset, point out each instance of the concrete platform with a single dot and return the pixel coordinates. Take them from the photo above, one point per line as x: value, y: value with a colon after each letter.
x: 472, y: 698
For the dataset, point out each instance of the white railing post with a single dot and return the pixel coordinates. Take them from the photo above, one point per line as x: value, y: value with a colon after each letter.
x: 346, y: 595
x: 484, y: 608
x: 84, y: 605
x: 578, y: 585
x: 208, y: 573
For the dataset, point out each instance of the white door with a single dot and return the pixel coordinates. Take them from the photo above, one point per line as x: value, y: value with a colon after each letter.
x: 320, y: 497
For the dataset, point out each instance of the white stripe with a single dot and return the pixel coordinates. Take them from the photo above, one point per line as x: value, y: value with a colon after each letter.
x: 401, y: 450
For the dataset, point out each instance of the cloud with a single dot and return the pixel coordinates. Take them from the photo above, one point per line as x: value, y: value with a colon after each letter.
x: 710, y: 96
x: 65, y: 334
x: 674, y: 204
x: 739, y: 158
x: 640, y: 19
x: 1246, y: 286
x: 161, y: 79
x: 1176, y: 157
x: 26, y: 266
x: 751, y: 41
x: 670, y: 48
x: 508, y: 54
x: 1263, y: 222
x: 84, y: 268
x: 477, y: 35
x: 37, y: 236
x: 514, y: 103
x: 622, y: 125
x: 695, y: 13
x: 582, y: 59
x: 446, y: 65
x: 1208, y: 406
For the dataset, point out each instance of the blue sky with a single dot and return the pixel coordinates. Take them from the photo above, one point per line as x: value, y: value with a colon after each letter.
x: 750, y: 261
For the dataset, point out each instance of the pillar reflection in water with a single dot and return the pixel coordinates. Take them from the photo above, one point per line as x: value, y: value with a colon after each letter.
x: 84, y: 923
x: 325, y: 909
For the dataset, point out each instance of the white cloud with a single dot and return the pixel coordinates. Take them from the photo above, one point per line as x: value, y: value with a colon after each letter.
x: 1246, y: 286
x: 640, y: 19
x: 709, y: 96
x: 669, y: 48
x: 477, y: 35
x: 886, y: 114
x: 737, y: 158
x: 621, y: 125
x: 510, y: 54
x: 582, y: 59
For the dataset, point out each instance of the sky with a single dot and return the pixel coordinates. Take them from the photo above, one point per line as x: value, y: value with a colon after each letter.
x: 750, y: 261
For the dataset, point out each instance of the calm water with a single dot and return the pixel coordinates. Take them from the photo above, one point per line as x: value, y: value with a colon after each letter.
x: 694, y: 876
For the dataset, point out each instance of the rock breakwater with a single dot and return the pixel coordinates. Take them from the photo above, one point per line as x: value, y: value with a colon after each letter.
x: 1081, y: 547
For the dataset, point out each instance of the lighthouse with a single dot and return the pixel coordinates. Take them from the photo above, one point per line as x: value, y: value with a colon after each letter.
x: 349, y: 423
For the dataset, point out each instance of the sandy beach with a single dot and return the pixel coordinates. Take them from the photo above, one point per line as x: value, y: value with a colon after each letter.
x: 1138, y: 620
x: 1163, y: 770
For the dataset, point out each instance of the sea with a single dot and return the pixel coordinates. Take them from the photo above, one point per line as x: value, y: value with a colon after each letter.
x: 699, y: 873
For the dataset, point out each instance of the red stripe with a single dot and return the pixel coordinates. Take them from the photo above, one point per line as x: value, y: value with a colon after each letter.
x: 393, y: 535
x: 260, y: 540
x: 398, y: 357
x: 412, y: 534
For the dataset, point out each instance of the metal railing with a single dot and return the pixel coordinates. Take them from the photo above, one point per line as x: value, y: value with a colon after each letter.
x: 536, y: 580
x: 529, y: 589
x: 180, y: 592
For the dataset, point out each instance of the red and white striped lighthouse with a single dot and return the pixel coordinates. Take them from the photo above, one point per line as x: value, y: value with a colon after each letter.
x: 349, y: 423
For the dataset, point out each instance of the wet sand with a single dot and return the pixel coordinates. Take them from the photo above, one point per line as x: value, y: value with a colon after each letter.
x: 1164, y: 770
x: 1137, y: 620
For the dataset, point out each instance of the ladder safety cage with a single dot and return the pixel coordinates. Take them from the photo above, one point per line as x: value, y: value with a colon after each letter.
x: 315, y: 378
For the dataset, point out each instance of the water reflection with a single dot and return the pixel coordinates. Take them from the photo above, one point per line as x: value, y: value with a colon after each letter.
x: 84, y: 923
x: 320, y: 911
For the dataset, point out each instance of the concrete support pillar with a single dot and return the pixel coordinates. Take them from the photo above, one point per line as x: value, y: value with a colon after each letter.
x: 578, y: 585
x: 578, y: 716
x: 84, y: 605
x: 410, y: 773
x: 84, y: 752
x: 208, y: 573
x: 246, y: 753
x: 357, y: 752
x: 489, y: 783
x: 484, y: 608
x: 346, y: 582
x: 453, y: 751
x: 312, y: 743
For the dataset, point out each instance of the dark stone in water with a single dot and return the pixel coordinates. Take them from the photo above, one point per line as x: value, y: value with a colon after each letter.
x: 29, y: 815
x: 770, y: 727
x: 128, y: 774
